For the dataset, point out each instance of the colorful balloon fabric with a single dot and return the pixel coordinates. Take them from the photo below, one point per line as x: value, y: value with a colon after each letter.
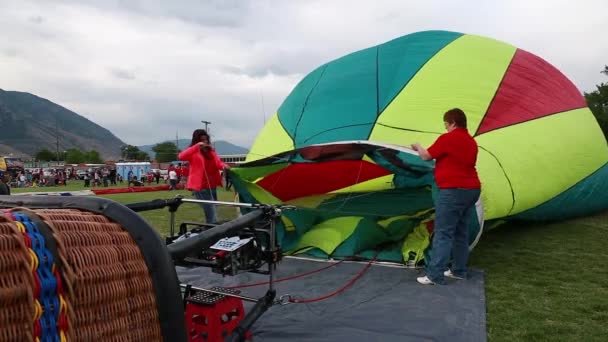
x: 338, y: 146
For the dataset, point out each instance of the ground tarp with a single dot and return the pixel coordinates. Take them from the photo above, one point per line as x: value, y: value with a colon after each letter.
x: 385, y: 304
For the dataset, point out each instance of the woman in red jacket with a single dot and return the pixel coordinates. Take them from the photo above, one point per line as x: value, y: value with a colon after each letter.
x: 205, y: 166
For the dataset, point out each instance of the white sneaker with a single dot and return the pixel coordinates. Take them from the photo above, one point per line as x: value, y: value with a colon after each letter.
x: 425, y: 280
x: 449, y: 274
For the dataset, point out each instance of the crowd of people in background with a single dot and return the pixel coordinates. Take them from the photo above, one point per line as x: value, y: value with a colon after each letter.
x: 38, y: 177
x: 101, y: 177
x: 176, y: 176
x: 60, y: 177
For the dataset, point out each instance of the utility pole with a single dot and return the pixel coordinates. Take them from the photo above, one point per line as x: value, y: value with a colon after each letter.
x: 57, y: 140
x: 206, y: 124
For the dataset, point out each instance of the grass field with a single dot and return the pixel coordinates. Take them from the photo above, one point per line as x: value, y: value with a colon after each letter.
x: 544, y: 282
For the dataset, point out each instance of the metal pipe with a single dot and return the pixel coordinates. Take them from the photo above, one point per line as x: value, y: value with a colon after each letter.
x: 273, y: 248
x: 172, y: 224
x: 152, y: 205
x: 233, y: 204
x: 207, y: 238
x: 238, y: 334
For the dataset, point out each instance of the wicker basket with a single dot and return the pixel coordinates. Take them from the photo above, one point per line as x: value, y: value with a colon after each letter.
x: 77, y: 275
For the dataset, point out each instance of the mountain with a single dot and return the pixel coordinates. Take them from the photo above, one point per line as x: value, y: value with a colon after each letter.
x: 29, y: 123
x: 221, y: 147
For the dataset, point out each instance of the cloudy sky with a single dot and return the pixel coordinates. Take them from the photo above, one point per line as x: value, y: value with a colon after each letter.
x: 168, y: 64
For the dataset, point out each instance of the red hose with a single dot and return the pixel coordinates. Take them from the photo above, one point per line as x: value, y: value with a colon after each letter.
x: 338, y: 291
x: 318, y: 299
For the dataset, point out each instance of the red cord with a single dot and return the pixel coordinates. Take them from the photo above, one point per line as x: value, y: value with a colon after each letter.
x: 351, y: 282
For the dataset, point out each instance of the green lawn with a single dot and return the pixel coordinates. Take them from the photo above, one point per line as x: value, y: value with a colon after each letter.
x: 544, y: 282
x: 159, y: 219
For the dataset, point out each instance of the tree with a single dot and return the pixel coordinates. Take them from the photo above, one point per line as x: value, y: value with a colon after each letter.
x: 93, y: 157
x: 130, y: 152
x: 141, y: 156
x: 598, y: 103
x: 45, y: 155
x: 74, y: 156
x: 165, y: 152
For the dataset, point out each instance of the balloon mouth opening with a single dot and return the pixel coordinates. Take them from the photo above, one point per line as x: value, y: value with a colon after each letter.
x: 354, y: 198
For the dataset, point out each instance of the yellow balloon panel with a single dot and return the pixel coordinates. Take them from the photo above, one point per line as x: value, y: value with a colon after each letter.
x: 546, y: 156
x: 310, y: 202
x: 271, y: 140
x: 368, y: 159
x: 464, y: 74
x: 289, y: 225
x: 260, y: 194
x: 388, y: 135
x: 496, y: 192
x: 328, y: 235
x: 385, y: 223
x: 376, y: 184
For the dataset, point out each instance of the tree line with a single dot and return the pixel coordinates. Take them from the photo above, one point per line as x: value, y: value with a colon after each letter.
x: 71, y: 156
x: 164, y: 152
x: 597, y: 101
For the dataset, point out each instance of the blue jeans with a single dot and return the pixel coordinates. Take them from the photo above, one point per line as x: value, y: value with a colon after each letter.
x: 209, y: 209
x: 453, y: 212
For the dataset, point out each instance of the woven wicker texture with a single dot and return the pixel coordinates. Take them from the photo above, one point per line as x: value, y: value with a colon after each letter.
x: 108, y: 290
x: 16, y: 285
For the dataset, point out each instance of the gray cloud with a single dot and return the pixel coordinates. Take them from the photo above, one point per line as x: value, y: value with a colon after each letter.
x: 259, y: 71
x: 122, y: 73
x: 170, y: 64
x: 36, y: 19
x: 10, y: 52
x: 220, y: 13
x: 140, y: 118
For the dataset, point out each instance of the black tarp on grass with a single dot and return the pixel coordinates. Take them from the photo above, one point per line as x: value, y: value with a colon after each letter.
x: 386, y: 304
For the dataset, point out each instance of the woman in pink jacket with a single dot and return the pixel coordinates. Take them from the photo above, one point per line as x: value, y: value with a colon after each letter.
x: 205, y: 166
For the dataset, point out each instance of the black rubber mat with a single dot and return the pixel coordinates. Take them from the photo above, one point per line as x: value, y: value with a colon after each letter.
x: 385, y: 304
